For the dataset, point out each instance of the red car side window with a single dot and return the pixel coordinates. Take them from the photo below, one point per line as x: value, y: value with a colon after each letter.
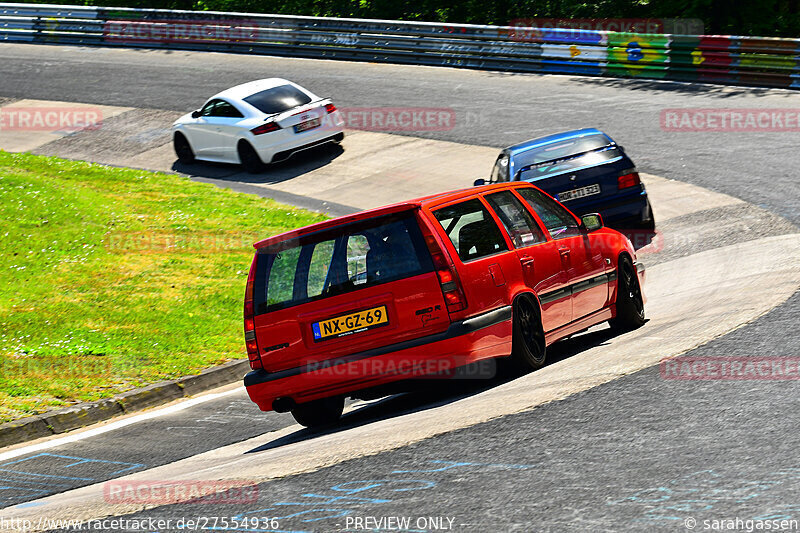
x: 471, y: 229
x: 558, y: 221
x: 521, y: 227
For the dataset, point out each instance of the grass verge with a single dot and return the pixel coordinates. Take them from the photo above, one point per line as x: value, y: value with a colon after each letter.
x: 115, y: 278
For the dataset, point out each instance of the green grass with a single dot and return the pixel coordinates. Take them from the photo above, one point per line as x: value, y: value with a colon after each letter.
x: 116, y: 278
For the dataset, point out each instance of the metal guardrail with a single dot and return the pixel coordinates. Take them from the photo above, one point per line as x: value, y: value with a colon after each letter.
x: 759, y: 61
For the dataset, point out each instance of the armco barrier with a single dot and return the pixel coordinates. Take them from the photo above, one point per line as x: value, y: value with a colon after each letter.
x: 757, y: 61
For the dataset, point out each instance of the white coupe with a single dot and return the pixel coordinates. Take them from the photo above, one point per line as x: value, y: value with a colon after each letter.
x: 263, y: 121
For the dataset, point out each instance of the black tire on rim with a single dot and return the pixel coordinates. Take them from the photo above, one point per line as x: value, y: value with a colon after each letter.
x: 319, y: 413
x: 183, y: 149
x: 249, y: 158
x: 630, y: 305
x: 528, y: 350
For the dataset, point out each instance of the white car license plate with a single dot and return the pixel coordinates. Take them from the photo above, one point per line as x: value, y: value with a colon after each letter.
x: 579, y: 193
x: 307, y: 125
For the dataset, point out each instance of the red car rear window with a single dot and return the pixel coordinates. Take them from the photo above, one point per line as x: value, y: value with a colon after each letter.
x: 340, y: 260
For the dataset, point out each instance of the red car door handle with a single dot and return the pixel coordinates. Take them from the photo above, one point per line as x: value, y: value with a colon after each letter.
x: 564, y: 251
x: 527, y: 262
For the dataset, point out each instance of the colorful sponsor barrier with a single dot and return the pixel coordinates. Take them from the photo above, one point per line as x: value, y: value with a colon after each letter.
x: 584, y: 47
x: 574, y: 59
x: 638, y: 55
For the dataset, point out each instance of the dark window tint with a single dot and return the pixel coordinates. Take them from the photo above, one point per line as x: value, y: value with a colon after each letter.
x: 340, y: 260
x: 278, y: 99
x: 471, y: 229
x: 225, y: 109
x: 558, y: 221
x: 520, y: 225
x: 220, y: 108
x: 500, y: 169
x: 209, y: 108
x: 561, y: 149
x: 577, y: 163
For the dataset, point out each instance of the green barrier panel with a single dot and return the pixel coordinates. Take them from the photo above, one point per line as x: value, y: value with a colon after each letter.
x: 684, y: 58
x: 773, y: 68
x: 637, y: 55
x: 766, y: 62
x: 624, y: 70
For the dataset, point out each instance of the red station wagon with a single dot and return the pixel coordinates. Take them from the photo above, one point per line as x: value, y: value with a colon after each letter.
x: 426, y: 286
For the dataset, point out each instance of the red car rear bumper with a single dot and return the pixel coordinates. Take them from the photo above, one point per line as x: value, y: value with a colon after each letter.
x: 474, y: 339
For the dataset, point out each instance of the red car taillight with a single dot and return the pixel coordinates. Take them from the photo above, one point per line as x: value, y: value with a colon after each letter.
x: 628, y: 178
x: 250, y: 319
x: 448, y: 277
x: 266, y: 128
x: 330, y: 108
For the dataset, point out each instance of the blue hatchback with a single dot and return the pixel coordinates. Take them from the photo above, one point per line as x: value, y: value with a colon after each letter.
x: 586, y: 171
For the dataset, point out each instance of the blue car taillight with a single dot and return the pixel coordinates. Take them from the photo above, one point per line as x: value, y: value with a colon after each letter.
x: 627, y: 179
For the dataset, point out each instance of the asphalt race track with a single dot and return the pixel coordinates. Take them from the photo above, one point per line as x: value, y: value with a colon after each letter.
x: 598, y: 440
x: 492, y: 109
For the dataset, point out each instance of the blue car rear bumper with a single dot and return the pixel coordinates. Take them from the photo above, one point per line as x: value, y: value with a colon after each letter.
x: 624, y: 211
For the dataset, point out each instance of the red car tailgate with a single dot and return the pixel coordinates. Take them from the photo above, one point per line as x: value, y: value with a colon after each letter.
x: 413, y: 307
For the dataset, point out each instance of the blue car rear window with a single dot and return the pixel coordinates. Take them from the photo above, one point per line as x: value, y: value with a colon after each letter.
x: 591, y: 159
x: 561, y: 149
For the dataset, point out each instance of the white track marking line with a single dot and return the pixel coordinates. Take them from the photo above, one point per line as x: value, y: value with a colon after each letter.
x: 736, y: 284
x: 67, y: 439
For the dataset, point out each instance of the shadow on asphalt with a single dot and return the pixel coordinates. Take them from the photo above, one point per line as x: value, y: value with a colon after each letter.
x: 430, y: 393
x: 687, y: 87
x: 679, y: 87
x: 297, y: 165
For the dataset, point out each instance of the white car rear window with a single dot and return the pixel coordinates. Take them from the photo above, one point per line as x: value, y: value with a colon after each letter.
x: 278, y: 99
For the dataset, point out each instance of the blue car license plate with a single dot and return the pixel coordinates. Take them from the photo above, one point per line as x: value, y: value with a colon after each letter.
x: 580, y: 192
